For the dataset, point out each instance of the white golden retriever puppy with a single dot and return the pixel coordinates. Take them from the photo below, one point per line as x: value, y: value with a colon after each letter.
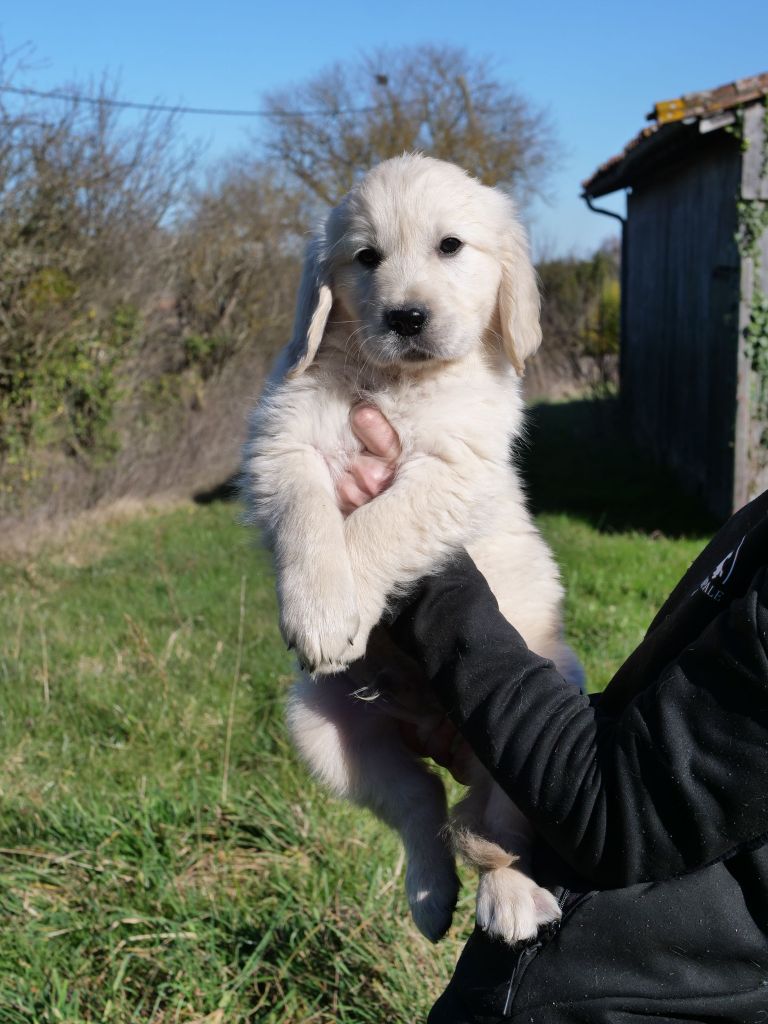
x: 419, y: 298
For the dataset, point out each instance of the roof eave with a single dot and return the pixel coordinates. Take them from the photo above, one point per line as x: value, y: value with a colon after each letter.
x: 642, y: 156
x: 700, y: 113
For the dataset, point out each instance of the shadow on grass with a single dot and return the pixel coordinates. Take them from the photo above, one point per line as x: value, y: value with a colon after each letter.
x: 228, y: 490
x: 577, y: 459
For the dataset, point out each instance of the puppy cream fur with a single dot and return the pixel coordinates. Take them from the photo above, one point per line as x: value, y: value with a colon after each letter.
x: 452, y: 393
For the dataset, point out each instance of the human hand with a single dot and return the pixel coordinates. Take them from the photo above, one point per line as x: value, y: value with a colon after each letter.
x: 370, y: 473
x: 373, y: 469
x: 443, y: 744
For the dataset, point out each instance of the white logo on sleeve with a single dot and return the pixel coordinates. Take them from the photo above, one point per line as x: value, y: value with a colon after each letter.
x: 713, y: 585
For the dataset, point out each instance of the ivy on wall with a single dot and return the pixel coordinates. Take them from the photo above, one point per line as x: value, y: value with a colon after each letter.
x: 752, y: 223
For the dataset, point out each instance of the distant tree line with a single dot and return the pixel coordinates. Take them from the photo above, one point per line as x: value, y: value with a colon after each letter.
x: 581, y: 320
x: 142, y: 298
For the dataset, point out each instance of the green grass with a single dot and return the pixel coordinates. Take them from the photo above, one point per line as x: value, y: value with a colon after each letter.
x: 163, y: 856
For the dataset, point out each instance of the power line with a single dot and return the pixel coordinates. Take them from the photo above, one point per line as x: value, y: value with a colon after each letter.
x: 106, y: 101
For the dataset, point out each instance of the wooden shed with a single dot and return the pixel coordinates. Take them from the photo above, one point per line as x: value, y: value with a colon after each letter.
x: 694, y: 345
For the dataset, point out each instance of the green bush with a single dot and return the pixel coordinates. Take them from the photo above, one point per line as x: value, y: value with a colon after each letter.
x: 64, y: 392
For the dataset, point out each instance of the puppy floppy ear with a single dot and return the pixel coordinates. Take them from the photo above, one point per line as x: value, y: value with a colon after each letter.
x: 313, y: 307
x: 519, y: 299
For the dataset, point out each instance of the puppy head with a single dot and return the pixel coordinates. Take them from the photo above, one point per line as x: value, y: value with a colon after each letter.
x: 419, y: 263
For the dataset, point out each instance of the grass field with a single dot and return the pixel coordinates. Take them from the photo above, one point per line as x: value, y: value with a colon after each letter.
x: 163, y: 856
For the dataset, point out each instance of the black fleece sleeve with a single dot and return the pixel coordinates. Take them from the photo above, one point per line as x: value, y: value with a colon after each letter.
x: 676, y: 780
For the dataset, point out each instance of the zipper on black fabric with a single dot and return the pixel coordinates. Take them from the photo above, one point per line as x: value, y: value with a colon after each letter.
x: 521, y: 965
x: 563, y: 900
x: 527, y: 953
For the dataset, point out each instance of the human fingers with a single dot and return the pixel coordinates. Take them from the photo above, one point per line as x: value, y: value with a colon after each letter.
x: 448, y: 748
x: 375, y: 433
x: 461, y: 763
x: 444, y: 745
x: 371, y: 474
x: 349, y: 494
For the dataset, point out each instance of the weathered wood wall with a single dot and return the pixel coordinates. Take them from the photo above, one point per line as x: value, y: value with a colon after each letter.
x: 681, y: 310
x: 751, y: 428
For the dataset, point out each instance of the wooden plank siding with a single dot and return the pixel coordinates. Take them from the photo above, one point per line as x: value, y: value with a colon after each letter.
x: 681, y: 318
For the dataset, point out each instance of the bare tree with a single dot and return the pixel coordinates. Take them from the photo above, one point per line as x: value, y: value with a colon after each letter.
x: 237, y: 260
x: 439, y: 100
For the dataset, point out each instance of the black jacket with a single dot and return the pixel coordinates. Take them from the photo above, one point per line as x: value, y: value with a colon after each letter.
x: 655, y: 795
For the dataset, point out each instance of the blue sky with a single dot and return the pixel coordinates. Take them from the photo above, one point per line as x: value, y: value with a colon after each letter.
x: 597, y: 67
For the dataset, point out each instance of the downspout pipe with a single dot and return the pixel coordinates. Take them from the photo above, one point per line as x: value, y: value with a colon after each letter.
x: 607, y: 213
x: 623, y: 318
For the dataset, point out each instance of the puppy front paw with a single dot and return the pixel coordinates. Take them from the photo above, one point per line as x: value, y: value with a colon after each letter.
x: 372, y: 605
x: 319, y: 618
x: 511, y: 907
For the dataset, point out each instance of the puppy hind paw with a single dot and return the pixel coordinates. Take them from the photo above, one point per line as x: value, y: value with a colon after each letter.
x: 512, y: 907
x: 547, y: 908
x: 432, y: 904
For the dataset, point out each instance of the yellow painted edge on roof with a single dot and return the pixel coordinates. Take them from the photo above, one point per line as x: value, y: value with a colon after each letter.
x: 670, y: 110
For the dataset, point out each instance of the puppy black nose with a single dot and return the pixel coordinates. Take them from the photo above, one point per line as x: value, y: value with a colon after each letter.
x: 406, y: 322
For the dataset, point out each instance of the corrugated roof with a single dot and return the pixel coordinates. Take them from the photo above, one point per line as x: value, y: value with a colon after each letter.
x: 670, y: 116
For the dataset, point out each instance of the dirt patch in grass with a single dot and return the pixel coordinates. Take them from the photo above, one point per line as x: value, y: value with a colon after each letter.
x: 82, y: 538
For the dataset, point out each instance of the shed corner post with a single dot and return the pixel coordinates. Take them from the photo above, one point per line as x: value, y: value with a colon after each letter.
x: 751, y: 426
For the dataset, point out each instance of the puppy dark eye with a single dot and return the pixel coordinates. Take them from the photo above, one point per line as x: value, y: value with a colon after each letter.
x: 450, y: 245
x: 369, y: 257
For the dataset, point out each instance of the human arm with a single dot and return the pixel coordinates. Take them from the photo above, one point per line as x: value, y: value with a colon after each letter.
x: 675, y: 780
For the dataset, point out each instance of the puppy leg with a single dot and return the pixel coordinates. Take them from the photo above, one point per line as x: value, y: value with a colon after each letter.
x: 429, y: 512
x: 358, y: 754
x: 290, y: 493
x: 486, y: 828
